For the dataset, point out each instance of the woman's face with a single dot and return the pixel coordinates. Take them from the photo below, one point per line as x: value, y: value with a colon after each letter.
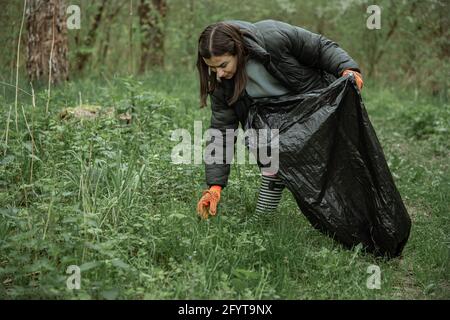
x: 224, y: 66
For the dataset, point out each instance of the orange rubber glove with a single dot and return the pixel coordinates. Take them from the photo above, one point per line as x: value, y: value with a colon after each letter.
x: 358, y: 77
x: 208, y: 203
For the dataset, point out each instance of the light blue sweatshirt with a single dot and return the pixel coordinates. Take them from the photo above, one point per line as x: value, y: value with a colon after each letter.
x: 260, y: 82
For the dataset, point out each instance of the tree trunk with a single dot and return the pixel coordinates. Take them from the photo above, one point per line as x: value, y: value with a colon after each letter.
x: 151, y: 20
x: 89, y: 41
x: 47, y: 40
x: 110, y: 18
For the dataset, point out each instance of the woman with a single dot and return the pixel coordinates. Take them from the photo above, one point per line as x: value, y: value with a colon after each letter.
x: 239, y: 61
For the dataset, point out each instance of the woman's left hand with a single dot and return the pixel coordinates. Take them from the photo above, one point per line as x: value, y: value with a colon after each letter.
x: 358, y: 77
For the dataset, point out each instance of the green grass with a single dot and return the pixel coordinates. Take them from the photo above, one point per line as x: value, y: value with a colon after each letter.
x: 105, y: 196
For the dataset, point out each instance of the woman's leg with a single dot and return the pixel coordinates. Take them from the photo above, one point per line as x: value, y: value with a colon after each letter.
x: 270, y: 193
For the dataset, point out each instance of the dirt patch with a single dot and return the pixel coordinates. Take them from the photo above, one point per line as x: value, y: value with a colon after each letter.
x: 90, y: 112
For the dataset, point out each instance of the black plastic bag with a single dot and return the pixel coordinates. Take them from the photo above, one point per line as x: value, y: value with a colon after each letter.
x: 331, y: 160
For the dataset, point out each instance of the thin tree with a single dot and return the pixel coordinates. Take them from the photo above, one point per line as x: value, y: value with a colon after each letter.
x: 152, y: 16
x: 89, y: 41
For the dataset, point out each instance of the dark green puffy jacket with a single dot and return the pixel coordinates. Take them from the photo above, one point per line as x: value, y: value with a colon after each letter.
x: 301, y: 60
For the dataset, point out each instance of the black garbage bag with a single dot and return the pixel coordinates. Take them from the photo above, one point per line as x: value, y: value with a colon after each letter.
x: 331, y: 160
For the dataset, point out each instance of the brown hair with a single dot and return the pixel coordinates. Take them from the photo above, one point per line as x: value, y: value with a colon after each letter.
x: 218, y: 39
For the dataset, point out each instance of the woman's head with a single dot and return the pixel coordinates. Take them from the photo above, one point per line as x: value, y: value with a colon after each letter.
x: 221, y: 55
x: 223, y: 66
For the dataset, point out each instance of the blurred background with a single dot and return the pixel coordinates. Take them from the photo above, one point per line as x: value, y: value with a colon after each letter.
x: 409, y: 50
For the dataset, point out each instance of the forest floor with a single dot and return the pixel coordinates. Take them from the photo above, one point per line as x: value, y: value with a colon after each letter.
x: 100, y: 192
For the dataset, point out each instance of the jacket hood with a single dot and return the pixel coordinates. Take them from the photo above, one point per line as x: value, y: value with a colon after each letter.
x: 253, y: 40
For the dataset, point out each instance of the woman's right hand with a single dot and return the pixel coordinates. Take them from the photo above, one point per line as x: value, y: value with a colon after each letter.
x: 208, y: 202
x: 358, y: 77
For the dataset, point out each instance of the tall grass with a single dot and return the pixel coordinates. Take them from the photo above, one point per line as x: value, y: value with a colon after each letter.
x: 104, y: 196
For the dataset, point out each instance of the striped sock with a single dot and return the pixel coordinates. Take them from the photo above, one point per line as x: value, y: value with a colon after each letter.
x: 269, y: 194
